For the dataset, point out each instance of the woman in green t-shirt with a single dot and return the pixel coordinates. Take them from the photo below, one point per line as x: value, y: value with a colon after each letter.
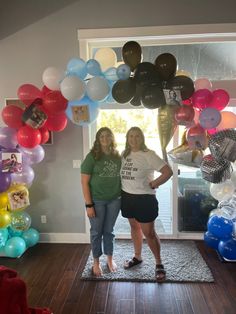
x: 100, y: 179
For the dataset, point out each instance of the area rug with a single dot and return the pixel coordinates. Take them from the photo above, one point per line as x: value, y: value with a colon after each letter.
x: 182, y: 259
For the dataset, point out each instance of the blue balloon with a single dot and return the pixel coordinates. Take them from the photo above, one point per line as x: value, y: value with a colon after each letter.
x: 110, y: 74
x: 89, y: 114
x: 211, y: 240
x: 227, y: 249
x: 77, y: 66
x: 209, y: 118
x: 3, y: 236
x: 15, y: 247
x: 93, y: 67
x: 220, y: 226
x: 31, y: 237
x: 123, y: 72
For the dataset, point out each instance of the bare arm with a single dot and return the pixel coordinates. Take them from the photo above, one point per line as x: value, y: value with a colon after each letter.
x: 166, y: 173
x: 85, y: 178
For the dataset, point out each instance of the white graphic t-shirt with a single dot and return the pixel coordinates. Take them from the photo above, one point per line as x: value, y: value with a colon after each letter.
x: 137, y: 171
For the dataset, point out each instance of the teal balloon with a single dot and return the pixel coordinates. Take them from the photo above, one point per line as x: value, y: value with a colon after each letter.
x: 92, y: 107
x: 15, y: 247
x: 3, y: 236
x: 31, y: 237
x: 14, y: 233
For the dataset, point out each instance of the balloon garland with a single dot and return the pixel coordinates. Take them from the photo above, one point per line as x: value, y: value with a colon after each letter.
x: 76, y: 94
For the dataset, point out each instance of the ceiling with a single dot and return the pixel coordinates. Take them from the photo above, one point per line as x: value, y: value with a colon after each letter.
x: 17, y: 14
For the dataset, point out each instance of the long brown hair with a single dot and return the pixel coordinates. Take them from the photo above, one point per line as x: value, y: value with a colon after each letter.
x: 97, y: 149
x: 143, y: 146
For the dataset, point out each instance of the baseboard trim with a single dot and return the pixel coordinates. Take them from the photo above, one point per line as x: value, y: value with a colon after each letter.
x: 64, y: 238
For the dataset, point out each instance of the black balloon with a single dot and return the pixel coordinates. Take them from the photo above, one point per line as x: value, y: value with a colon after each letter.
x: 136, y: 101
x: 123, y: 90
x: 153, y: 97
x: 166, y: 65
x: 184, y: 84
x: 146, y: 74
x: 132, y: 54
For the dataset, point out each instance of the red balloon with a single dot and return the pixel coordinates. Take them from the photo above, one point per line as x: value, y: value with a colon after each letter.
x: 28, y: 93
x: 28, y: 137
x: 220, y: 99
x: 44, y: 135
x: 45, y: 90
x: 54, y: 102
x: 56, y: 122
x: 184, y: 115
x: 12, y: 115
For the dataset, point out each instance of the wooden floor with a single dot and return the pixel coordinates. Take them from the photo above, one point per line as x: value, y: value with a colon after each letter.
x: 52, y: 274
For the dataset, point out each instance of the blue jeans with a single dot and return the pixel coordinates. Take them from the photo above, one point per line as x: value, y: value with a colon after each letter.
x: 102, y: 226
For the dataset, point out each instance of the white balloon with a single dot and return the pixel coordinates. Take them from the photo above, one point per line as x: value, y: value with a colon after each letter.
x: 52, y: 77
x: 106, y: 57
x: 97, y: 88
x: 72, y: 88
x: 222, y: 191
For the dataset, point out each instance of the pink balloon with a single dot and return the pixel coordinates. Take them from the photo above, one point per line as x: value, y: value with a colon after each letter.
x: 27, y: 93
x: 220, y: 99
x: 202, y: 83
x: 202, y: 98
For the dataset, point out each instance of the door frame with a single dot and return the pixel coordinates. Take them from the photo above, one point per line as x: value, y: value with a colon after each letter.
x: 116, y: 37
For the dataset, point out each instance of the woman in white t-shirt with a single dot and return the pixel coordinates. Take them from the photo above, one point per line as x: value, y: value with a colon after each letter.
x: 138, y: 198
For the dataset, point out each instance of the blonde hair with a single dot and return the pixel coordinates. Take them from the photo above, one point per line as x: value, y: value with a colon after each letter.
x: 143, y: 146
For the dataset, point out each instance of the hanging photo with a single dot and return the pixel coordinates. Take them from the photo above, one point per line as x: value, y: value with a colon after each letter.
x: 18, y: 199
x: 34, y: 117
x: 12, y: 162
x: 172, y: 96
x: 80, y: 113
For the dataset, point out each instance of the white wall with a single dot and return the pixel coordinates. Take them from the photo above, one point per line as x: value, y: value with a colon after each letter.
x: 52, y: 41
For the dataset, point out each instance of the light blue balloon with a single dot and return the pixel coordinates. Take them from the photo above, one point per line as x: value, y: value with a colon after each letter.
x: 93, y: 67
x: 110, y: 74
x: 75, y: 105
x: 77, y: 66
x: 123, y: 72
x: 3, y: 236
x: 15, y: 247
x: 31, y: 237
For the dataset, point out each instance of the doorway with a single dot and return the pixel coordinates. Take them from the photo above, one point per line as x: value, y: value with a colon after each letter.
x: 119, y: 121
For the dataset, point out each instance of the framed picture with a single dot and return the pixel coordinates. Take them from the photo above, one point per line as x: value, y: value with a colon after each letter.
x: 15, y: 101
x: 80, y: 113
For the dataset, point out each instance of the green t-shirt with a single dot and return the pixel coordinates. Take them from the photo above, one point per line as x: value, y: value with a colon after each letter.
x: 105, y: 181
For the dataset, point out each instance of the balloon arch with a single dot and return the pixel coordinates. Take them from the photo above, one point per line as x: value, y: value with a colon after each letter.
x: 76, y: 94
